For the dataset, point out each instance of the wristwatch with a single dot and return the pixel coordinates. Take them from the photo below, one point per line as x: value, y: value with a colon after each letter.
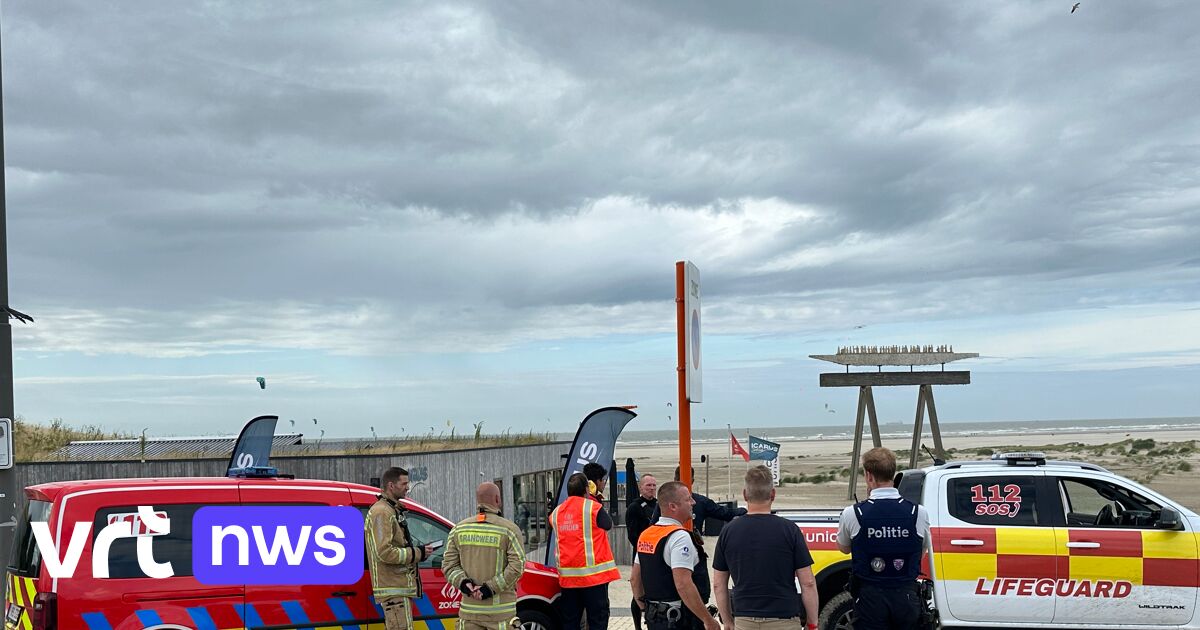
x: 812, y: 626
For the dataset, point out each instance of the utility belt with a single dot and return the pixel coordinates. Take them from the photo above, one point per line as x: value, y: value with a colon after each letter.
x: 856, y: 584
x: 674, y: 614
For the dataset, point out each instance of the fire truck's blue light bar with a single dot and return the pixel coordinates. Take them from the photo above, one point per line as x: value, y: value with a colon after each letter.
x: 255, y: 472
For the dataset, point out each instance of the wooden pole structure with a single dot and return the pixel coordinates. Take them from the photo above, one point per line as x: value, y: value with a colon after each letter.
x: 877, y: 357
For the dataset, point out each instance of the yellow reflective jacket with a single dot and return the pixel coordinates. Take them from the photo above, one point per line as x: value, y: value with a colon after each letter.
x: 486, y: 549
x: 393, y: 557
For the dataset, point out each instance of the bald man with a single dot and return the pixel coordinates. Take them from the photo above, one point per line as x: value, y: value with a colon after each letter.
x: 637, y: 519
x: 484, y: 558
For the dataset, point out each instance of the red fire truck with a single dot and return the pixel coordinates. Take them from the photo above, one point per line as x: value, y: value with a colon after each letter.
x: 127, y: 599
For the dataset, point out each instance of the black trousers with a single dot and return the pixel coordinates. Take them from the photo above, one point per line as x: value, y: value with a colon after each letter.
x: 575, y: 602
x: 886, y: 608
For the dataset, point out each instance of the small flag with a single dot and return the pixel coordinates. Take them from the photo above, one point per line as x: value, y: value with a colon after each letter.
x: 737, y: 448
x: 761, y: 449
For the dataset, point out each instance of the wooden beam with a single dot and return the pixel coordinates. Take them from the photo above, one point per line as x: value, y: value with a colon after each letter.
x: 933, y: 424
x: 875, y: 437
x: 886, y: 379
x: 917, y: 426
x: 856, y: 452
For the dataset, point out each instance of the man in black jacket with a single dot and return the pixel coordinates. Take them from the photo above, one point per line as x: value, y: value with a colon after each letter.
x: 637, y: 519
x: 706, y: 508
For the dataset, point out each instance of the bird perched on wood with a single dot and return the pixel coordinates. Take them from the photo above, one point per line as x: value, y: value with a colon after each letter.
x: 1075, y: 7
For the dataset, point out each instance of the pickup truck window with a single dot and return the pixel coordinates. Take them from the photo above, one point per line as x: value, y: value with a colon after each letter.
x: 993, y: 500
x: 911, y: 484
x: 1097, y: 503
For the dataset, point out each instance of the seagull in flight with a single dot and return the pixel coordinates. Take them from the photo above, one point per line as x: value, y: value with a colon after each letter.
x: 1075, y: 7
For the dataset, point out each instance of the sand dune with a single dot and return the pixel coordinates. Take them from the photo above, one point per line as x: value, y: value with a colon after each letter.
x: 1159, y: 470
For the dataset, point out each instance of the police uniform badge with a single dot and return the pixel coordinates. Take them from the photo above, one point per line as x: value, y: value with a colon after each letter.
x: 877, y: 565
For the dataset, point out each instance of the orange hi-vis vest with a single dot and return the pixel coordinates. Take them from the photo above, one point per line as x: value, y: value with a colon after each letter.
x: 658, y: 579
x: 648, y: 541
x: 584, y: 557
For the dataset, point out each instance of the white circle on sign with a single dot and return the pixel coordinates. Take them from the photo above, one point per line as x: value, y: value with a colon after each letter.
x: 696, y: 339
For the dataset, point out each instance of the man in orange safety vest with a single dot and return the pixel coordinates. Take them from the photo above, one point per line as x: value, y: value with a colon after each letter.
x: 585, y: 559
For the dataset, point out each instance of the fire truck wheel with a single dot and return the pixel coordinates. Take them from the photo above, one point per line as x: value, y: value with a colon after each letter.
x: 836, y: 613
x: 536, y: 620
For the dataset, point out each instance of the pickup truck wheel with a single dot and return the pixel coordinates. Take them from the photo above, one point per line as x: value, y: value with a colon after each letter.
x: 536, y: 620
x: 836, y: 615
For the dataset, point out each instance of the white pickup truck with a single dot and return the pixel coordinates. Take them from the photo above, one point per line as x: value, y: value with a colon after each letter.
x: 1021, y: 542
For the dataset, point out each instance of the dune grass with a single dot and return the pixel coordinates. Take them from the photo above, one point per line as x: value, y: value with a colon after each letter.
x: 33, y: 442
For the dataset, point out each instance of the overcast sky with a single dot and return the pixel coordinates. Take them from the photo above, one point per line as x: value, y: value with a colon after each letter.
x: 407, y: 214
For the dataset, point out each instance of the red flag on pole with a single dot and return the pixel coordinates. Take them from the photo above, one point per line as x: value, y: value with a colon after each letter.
x: 737, y: 448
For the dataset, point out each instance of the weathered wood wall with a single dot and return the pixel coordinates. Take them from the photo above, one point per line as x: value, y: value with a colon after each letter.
x: 444, y: 481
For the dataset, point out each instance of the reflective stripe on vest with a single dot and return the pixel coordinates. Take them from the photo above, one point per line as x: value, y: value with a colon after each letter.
x: 480, y: 533
x: 586, y: 571
x: 589, y: 553
x: 469, y: 606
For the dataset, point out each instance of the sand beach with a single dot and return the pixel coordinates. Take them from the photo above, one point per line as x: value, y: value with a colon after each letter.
x: 1162, y: 459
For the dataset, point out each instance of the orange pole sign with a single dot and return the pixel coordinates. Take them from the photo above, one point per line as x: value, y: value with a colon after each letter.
x: 685, y: 410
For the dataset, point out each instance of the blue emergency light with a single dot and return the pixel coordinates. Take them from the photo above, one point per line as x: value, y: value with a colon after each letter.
x: 255, y: 472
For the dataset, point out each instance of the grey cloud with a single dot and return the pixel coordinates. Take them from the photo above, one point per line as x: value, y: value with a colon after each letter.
x: 178, y: 159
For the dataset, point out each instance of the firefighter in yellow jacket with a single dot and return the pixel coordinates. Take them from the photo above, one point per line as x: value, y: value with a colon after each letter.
x: 484, y: 558
x: 394, y: 556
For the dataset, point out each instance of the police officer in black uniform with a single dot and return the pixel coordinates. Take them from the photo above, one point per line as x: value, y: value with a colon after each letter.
x: 670, y: 573
x: 637, y: 518
x: 885, y: 537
